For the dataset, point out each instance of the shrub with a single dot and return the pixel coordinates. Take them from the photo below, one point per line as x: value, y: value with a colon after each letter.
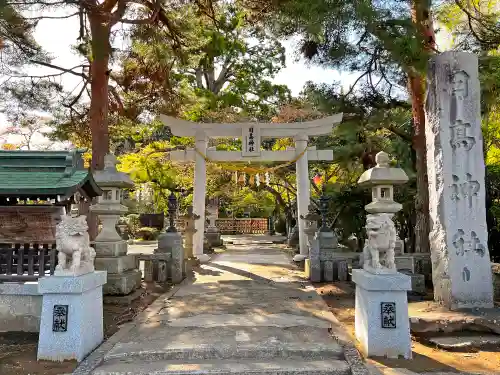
x: 133, y: 224
x: 148, y: 234
x: 280, y: 226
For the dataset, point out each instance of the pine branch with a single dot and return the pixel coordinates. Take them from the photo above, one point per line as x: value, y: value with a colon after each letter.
x: 64, y: 70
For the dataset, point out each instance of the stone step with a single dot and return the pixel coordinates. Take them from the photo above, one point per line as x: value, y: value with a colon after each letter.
x: 133, y: 366
x: 159, y: 350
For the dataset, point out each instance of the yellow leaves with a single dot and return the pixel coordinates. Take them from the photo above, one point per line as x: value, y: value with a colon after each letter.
x: 10, y: 146
x: 87, y: 159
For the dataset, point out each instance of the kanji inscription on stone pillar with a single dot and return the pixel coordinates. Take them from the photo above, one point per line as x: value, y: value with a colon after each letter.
x: 455, y: 168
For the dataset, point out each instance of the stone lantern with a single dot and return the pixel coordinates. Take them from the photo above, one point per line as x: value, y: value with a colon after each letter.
x: 189, y: 230
x: 109, y: 207
x: 382, y: 179
x: 212, y: 233
x: 311, y: 220
x: 111, y: 249
x: 293, y: 236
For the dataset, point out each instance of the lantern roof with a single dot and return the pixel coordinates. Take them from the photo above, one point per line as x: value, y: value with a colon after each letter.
x: 382, y: 174
x: 110, y: 176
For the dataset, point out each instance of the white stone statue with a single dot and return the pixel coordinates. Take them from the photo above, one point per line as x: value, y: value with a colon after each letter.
x: 378, y: 252
x: 75, y: 256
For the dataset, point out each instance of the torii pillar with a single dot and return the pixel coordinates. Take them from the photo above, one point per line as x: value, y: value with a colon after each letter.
x: 199, y: 193
x: 303, y: 194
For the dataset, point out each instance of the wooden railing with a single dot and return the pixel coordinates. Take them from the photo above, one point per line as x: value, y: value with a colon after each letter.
x: 26, y: 262
x: 236, y: 226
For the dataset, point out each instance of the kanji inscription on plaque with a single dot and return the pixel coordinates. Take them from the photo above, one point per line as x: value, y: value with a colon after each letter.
x: 388, y: 314
x: 60, y: 318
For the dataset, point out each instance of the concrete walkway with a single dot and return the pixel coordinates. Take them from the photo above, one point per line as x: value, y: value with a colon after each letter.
x: 248, y: 311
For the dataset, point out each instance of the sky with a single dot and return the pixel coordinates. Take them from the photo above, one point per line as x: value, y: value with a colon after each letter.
x: 56, y: 37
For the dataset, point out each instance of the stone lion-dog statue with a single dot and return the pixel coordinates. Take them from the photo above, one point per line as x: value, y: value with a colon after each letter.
x: 75, y: 256
x: 378, y: 252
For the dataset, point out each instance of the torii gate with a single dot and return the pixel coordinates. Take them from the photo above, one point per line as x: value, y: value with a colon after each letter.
x: 251, y: 134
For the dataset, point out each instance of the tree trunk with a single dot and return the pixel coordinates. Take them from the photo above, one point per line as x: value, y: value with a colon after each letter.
x: 99, y: 75
x: 416, y: 87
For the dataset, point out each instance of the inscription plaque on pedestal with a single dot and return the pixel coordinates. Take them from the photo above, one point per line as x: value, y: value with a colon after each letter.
x: 388, y: 314
x: 60, y: 318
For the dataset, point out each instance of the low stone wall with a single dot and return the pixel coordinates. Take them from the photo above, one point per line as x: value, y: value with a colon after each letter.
x: 20, y: 307
x: 495, y: 269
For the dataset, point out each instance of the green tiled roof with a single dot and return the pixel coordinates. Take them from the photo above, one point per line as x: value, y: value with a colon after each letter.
x: 45, y: 174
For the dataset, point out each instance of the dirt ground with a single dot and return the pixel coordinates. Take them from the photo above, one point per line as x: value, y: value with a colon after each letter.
x: 18, y: 350
x: 340, y: 297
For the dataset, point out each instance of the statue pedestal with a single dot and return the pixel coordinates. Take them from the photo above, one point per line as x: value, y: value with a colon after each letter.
x: 123, y: 276
x: 71, y: 324
x: 381, y: 316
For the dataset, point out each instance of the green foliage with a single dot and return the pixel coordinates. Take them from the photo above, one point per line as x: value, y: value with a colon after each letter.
x: 147, y: 234
x: 133, y: 224
x: 376, y: 39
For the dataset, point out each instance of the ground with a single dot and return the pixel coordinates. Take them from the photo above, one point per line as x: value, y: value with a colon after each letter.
x: 18, y: 350
x: 340, y: 297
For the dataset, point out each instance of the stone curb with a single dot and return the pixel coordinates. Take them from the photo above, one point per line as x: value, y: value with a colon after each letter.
x: 96, y: 358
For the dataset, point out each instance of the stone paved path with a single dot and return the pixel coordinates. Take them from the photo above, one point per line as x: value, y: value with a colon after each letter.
x: 246, y: 312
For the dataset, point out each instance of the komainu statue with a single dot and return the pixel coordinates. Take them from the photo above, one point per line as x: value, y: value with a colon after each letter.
x: 378, y: 253
x: 75, y: 256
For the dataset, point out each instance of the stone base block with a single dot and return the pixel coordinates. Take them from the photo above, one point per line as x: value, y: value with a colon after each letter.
x: 313, y: 270
x: 122, y: 283
x: 417, y: 282
x: 72, y: 316
x: 20, y: 307
x: 115, y: 265
x: 327, y: 240
x: 381, y: 316
x: 110, y: 249
x: 213, y: 238
x: 123, y: 300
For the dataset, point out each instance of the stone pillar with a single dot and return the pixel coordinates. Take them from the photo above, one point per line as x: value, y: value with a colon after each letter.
x: 303, y: 193
x: 455, y: 167
x: 111, y: 249
x: 312, y: 264
x: 200, y: 189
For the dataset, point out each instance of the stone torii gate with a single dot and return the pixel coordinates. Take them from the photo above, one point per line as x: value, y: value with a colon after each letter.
x: 251, y: 134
